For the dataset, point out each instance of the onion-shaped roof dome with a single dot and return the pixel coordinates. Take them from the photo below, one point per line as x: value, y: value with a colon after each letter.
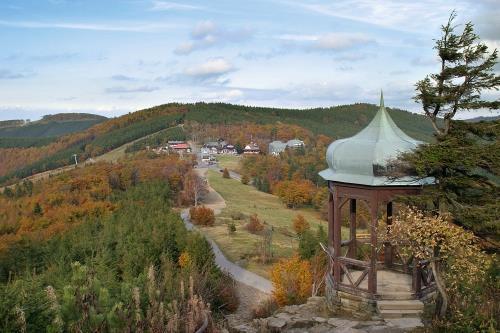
x: 363, y: 158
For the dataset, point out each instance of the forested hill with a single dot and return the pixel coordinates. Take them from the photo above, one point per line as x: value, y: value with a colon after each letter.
x: 335, y: 122
x: 50, y: 125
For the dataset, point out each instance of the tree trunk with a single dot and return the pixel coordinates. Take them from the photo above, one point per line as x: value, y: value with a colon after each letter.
x: 441, y: 288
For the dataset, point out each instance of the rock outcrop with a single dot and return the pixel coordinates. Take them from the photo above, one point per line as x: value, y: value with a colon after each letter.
x: 314, y: 317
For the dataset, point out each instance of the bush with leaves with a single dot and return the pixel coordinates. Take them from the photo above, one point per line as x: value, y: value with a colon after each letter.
x: 292, y: 281
x: 459, y: 266
x: 254, y: 225
x: 201, y: 215
x: 245, y: 179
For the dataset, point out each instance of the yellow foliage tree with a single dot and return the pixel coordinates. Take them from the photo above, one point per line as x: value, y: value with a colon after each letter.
x: 292, y: 281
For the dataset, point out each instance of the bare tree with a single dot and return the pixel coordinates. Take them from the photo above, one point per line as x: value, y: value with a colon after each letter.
x: 195, y: 186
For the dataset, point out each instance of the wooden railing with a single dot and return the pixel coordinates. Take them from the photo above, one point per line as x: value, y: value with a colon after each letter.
x: 422, y: 277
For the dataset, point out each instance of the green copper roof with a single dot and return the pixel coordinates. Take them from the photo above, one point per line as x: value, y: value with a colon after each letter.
x: 360, y: 158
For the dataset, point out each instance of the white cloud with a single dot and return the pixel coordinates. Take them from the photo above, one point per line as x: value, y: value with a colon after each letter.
x: 168, y: 5
x: 203, y: 28
x: 125, y: 90
x: 329, y: 41
x: 207, y: 34
x: 121, y: 77
x: 340, y: 40
x: 6, y: 74
x: 394, y: 14
x: 233, y: 94
x: 128, y: 27
x: 212, y: 67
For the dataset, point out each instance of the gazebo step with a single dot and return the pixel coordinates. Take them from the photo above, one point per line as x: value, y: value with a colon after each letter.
x: 400, y: 305
x: 402, y: 295
x: 386, y: 314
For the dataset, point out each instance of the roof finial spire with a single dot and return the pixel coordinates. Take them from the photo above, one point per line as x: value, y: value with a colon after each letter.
x: 382, y: 99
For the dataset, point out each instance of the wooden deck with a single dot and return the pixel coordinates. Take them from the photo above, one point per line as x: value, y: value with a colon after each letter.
x: 388, y: 282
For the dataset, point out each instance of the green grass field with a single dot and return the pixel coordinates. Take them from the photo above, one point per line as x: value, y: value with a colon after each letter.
x: 231, y: 162
x: 241, y: 247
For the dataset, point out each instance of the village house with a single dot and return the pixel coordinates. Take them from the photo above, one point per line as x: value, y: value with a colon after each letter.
x: 251, y: 149
x: 229, y: 150
x: 277, y: 147
x: 180, y: 147
x: 219, y: 147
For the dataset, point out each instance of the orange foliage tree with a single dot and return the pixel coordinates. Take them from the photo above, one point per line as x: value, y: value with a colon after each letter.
x: 295, y: 193
x: 202, y: 215
x: 292, y: 281
x: 254, y: 225
x: 300, y: 225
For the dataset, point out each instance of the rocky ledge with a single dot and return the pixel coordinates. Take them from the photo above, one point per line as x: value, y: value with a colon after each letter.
x: 313, y: 317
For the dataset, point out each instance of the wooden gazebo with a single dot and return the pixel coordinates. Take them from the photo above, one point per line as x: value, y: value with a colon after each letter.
x: 356, y: 176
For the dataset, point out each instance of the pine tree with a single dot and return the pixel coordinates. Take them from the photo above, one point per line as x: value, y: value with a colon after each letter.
x: 467, y: 69
x: 37, y: 210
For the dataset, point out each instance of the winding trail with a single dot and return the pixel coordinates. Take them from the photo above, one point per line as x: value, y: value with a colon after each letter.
x: 215, y: 201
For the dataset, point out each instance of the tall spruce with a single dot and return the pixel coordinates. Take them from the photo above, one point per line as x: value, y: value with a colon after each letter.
x: 466, y: 71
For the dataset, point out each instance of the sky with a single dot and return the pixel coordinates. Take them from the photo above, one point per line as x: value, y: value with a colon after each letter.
x: 111, y: 57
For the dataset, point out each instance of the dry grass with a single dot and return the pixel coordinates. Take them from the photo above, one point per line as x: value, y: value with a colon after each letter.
x: 241, y: 246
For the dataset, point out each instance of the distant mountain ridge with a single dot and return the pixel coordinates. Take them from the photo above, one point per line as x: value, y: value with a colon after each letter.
x: 482, y: 118
x: 49, y: 126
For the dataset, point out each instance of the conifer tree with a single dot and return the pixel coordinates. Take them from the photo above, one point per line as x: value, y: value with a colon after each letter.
x: 467, y: 70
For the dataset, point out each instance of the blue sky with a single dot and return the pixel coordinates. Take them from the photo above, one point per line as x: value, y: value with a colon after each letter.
x: 111, y: 57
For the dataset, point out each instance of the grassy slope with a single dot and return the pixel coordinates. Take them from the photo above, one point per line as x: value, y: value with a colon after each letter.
x: 231, y: 162
x: 247, y: 200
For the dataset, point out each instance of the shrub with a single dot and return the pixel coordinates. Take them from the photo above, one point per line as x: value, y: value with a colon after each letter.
x: 184, y: 260
x: 300, y: 225
x: 309, y: 243
x: 237, y: 216
x: 459, y: 267
x: 254, y: 225
x: 292, y: 281
x: 225, y: 173
x: 231, y: 228
x: 265, y: 308
x: 245, y: 179
x: 202, y: 215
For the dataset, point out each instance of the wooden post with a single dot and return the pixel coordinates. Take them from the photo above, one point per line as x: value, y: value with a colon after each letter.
x: 337, y: 237
x: 417, y: 278
x: 372, y: 277
x: 352, y: 229
x: 330, y: 217
x: 388, y: 253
